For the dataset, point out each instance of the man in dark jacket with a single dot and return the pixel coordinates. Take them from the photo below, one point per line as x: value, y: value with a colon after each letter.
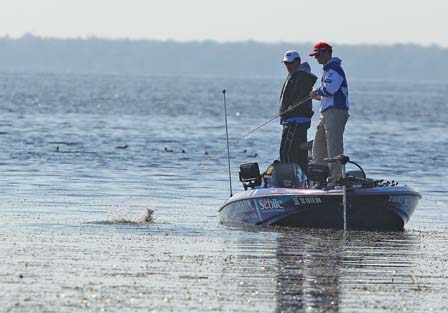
x: 297, y: 86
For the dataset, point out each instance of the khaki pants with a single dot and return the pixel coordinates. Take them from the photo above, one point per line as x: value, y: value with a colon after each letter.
x: 328, y: 141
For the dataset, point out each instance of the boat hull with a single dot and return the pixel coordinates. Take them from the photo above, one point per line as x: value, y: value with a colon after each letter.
x: 387, y: 208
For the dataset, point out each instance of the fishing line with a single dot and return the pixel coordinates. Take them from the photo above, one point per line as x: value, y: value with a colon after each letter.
x: 290, y: 108
x: 245, y: 136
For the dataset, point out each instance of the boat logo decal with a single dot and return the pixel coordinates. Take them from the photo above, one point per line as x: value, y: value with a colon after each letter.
x: 269, y: 204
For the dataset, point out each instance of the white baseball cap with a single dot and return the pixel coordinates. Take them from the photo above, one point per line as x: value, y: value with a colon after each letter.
x: 290, y: 56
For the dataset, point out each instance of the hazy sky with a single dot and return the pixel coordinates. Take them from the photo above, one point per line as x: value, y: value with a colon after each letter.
x: 338, y: 21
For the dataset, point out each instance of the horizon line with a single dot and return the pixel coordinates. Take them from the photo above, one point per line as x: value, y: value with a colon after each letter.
x: 212, y: 41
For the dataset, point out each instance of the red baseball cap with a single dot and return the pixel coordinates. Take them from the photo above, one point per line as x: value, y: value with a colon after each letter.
x: 321, y: 47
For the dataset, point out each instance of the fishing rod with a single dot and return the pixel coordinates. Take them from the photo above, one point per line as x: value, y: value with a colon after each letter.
x: 290, y: 108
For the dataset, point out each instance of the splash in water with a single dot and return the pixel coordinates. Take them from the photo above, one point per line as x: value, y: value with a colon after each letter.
x: 121, y: 217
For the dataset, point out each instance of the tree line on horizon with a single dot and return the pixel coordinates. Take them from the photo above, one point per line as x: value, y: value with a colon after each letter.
x: 209, y: 58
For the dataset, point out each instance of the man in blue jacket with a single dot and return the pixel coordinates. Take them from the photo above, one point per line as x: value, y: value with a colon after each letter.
x: 333, y: 95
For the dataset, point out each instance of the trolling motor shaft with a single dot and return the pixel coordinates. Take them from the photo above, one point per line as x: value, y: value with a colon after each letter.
x: 343, y: 159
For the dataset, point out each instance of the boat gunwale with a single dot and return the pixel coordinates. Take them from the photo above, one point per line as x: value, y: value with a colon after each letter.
x: 361, y: 192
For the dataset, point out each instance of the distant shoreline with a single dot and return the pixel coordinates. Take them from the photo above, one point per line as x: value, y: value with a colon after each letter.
x: 210, y: 58
x: 210, y: 41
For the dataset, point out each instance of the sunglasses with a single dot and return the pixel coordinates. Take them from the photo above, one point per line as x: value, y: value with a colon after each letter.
x: 288, y: 63
x: 322, y: 50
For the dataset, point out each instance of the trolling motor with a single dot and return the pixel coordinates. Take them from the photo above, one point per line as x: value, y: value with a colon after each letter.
x: 343, y: 159
x: 346, y: 181
x: 320, y: 174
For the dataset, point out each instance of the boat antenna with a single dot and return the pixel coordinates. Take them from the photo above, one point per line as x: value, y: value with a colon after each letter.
x: 227, y: 139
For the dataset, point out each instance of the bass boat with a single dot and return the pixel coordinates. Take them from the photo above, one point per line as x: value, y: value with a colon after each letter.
x: 284, y: 196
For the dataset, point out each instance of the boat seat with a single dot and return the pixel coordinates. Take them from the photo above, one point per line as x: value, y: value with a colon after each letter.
x: 318, y: 174
x: 287, y: 175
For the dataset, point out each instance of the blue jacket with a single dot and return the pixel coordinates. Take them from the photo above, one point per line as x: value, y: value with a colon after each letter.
x: 334, y: 88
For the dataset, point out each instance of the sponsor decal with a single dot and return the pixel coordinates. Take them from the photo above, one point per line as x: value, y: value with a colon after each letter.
x: 306, y: 200
x: 270, y: 204
x: 244, y: 205
x: 402, y: 200
x: 246, y: 210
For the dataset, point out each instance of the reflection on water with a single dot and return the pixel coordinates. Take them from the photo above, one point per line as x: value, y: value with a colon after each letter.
x: 308, y: 272
x: 194, y: 267
x: 331, y: 271
x: 326, y: 270
x: 311, y: 270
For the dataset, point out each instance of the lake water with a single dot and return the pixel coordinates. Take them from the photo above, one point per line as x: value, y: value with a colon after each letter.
x: 82, y: 159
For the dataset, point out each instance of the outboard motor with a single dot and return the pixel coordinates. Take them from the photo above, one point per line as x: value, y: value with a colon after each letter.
x: 250, y: 175
x: 284, y: 175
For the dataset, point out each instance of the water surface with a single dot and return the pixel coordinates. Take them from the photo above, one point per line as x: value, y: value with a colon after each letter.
x: 80, y: 154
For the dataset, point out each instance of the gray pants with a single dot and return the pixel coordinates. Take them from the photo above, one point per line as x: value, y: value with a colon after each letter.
x: 328, y: 141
